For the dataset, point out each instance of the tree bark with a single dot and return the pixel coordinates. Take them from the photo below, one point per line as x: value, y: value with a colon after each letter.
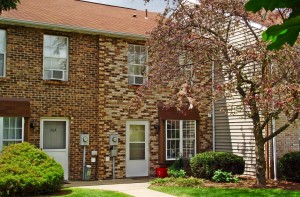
x: 260, y: 159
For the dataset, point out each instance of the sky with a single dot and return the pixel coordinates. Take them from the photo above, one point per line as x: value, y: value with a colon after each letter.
x: 153, y: 5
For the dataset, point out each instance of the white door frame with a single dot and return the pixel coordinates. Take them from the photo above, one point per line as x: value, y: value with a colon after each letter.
x: 66, y: 171
x: 145, y: 163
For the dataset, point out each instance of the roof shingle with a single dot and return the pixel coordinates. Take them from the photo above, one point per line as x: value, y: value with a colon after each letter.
x: 80, y: 14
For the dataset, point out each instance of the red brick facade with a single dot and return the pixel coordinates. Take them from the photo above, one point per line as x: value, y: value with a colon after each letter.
x: 95, y: 99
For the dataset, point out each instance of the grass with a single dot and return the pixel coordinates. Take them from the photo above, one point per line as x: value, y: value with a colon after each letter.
x: 78, y: 192
x: 214, y: 192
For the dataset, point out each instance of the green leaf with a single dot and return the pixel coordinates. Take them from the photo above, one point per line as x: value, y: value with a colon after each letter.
x: 256, y: 5
x: 284, y: 33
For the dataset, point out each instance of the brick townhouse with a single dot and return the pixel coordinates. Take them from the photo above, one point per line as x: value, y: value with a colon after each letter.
x: 69, y: 67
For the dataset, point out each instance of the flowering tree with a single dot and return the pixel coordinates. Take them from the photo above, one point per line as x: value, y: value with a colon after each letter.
x: 185, y: 44
x: 278, y: 34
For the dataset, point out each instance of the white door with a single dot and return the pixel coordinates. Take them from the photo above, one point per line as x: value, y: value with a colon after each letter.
x: 137, y: 148
x: 54, y: 141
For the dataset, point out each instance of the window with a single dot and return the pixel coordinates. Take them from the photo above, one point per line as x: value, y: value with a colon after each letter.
x: 180, y: 139
x: 11, y: 130
x: 55, y: 58
x: 2, y: 53
x: 137, y: 69
x: 187, y: 69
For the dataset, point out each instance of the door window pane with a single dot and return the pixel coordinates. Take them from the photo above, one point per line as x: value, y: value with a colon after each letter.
x: 137, y: 133
x: 54, y: 134
x: 137, y: 151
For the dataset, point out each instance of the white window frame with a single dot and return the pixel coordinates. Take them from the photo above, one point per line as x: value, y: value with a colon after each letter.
x: 187, y: 68
x: 141, y: 65
x: 180, y: 138
x: 65, y: 72
x: 11, y: 140
x: 3, y: 42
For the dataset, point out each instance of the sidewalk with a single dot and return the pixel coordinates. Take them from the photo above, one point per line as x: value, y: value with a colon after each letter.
x: 137, y: 187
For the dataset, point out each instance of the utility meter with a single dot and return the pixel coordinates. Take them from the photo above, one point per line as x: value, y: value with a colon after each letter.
x: 84, y: 139
x: 113, y: 139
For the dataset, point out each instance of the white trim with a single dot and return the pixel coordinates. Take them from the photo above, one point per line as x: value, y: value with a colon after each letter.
x: 147, y: 149
x: 66, y: 150
x: 139, y: 65
x: 66, y: 72
x: 11, y: 140
x: 1, y: 133
x: 180, y: 138
x: 4, y: 53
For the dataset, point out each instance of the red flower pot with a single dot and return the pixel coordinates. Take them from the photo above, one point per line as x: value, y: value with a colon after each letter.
x: 161, y: 172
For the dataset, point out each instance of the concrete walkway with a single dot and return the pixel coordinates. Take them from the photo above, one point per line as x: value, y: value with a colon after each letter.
x: 135, y: 187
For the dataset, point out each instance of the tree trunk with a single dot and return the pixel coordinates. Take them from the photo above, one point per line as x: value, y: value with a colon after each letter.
x: 260, y: 164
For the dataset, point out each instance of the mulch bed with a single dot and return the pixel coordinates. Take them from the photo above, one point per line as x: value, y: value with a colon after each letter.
x: 250, y: 182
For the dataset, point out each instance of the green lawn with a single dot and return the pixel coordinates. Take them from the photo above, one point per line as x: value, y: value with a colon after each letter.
x: 212, y: 192
x: 78, y: 192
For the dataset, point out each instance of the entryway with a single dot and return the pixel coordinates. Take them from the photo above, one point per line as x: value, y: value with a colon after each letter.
x: 137, y: 148
x: 54, y: 140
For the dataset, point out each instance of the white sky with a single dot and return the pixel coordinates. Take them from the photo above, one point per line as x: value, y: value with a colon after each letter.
x: 153, y: 5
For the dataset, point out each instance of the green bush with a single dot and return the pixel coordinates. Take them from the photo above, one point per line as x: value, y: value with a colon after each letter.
x: 26, y: 170
x: 289, y: 166
x: 178, y: 182
x: 204, y: 165
x: 220, y: 176
x: 176, y: 173
x: 177, y: 165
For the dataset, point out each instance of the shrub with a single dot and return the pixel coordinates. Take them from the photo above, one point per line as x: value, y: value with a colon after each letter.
x: 289, y: 166
x: 204, y: 165
x: 26, y: 170
x: 220, y: 176
x: 178, y: 182
x: 177, y: 165
x: 176, y: 173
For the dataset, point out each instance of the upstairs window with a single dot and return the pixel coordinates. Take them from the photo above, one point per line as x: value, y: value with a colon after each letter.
x: 55, y: 58
x: 137, y: 70
x: 186, y: 68
x: 2, y: 53
x: 180, y: 139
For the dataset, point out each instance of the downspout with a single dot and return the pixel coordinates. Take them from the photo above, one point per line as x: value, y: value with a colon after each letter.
x: 213, y: 106
x: 274, y: 150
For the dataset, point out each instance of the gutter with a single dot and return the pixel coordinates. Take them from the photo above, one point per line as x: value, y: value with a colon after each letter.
x: 69, y: 28
x: 213, y: 107
x: 274, y: 149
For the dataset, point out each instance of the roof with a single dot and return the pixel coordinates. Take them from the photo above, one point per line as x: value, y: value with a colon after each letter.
x: 81, y: 16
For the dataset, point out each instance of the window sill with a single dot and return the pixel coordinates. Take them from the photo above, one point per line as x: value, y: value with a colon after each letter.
x: 135, y: 86
x: 55, y: 82
x: 4, y: 79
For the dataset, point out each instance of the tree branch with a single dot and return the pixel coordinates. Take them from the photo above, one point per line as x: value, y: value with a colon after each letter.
x: 282, y: 128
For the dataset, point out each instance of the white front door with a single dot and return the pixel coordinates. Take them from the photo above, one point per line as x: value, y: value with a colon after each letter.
x: 54, y: 141
x: 137, y: 148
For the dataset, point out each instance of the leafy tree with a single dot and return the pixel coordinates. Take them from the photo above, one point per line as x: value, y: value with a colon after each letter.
x: 6, y: 5
x: 185, y: 44
x: 279, y: 34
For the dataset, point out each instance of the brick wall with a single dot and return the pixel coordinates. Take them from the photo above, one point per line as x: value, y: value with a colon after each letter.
x: 288, y: 140
x: 76, y: 99
x: 114, y: 107
x: 96, y: 98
